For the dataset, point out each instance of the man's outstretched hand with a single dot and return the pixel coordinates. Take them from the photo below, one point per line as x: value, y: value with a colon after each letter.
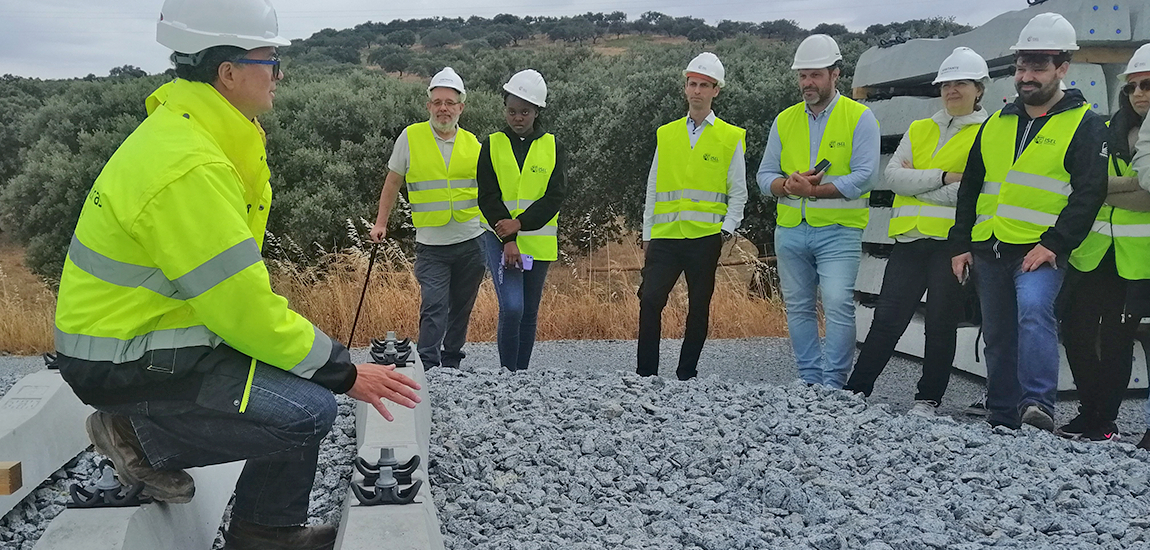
x: 373, y: 383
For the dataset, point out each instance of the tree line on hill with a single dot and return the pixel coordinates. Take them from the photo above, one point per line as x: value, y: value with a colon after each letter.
x: 337, y: 115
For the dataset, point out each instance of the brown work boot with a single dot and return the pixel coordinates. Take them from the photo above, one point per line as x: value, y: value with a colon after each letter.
x: 245, y: 535
x: 114, y: 437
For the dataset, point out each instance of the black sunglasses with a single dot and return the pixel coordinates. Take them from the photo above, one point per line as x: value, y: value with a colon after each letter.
x: 274, y: 62
x: 1143, y: 85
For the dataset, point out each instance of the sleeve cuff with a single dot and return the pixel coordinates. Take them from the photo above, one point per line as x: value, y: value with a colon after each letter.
x: 338, y: 374
x: 847, y: 190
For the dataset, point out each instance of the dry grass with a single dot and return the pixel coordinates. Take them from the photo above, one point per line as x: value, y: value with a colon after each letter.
x: 27, y: 306
x: 593, y: 297
x: 579, y: 302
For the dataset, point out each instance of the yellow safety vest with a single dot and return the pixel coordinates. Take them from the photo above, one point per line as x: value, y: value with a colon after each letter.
x: 521, y: 188
x: 166, y: 253
x: 1030, y: 192
x: 691, y: 182
x: 910, y: 213
x: 438, y: 192
x: 1126, y: 230
x: 836, y: 146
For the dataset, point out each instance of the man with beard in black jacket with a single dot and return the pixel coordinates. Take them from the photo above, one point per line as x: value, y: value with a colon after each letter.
x: 1033, y: 185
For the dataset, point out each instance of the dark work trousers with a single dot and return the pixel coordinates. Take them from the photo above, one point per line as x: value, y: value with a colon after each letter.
x: 664, y: 261
x: 913, y: 267
x: 279, y: 434
x: 449, y: 278
x: 1099, y: 341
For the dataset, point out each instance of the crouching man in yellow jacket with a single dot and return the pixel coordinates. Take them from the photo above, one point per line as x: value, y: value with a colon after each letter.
x: 166, y: 322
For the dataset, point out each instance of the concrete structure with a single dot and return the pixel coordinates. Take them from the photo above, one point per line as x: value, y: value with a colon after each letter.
x: 191, y: 526
x: 408, y: 527
x: 1106, y: 32
x: 42, y: 428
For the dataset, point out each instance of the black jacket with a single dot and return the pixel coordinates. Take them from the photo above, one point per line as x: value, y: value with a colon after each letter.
x: 491, y: 196
x: 1086, y: 161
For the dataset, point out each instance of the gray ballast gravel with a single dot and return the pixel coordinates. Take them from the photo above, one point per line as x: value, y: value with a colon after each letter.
x: 551, y: 458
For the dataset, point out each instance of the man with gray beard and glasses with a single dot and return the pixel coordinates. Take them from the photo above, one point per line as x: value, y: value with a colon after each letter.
x: 437, y: 160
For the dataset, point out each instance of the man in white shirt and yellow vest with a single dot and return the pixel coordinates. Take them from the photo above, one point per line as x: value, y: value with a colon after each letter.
x: 821, y: 214
x: 1032, y: 187
x: 436, y: 159
x: 696, y: 192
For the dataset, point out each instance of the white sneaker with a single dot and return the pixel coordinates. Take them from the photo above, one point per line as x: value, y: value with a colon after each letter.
x: 925, y: 409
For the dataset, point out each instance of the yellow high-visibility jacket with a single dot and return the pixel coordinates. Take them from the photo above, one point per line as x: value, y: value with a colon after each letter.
x: 165, y: 264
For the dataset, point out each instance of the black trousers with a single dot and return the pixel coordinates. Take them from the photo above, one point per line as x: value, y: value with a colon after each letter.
x: 913, y: 267
x: 665, y: 260
x: 1099, y: 340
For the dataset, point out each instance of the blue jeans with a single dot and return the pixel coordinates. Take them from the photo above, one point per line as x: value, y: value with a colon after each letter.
x: 1021, y: 335
x: 519, y: 293
x: 278, y: 434
x: 826, y: 259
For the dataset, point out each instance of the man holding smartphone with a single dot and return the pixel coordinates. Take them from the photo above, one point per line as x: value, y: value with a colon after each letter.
x: 820, y: 158
x: 1033, y: 184
x: 696, y: 191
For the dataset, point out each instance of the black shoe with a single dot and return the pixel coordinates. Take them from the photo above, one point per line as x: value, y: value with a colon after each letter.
x: 1106, y: 431
x: 996, y: 423
x: 978, y: 408
x: 244, y: 535
x: 1077, y: 427
x: 1145, y: 443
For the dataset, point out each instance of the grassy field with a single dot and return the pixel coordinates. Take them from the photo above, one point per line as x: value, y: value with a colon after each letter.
x: 593, y: 297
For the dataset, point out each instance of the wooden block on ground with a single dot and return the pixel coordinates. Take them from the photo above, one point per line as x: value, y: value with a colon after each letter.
x: 10, y: 478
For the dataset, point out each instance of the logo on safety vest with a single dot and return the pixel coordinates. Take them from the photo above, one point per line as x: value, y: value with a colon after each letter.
x: 538, y: 169
x: 710, y: 158
x: 833, y: 144
x: 1043, y: 140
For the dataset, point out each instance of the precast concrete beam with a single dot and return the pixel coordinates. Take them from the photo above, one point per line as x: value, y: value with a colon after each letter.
x: 190, y: 526
x: 1098, y: 25
x: 412, y: 526
x: 42, y: 428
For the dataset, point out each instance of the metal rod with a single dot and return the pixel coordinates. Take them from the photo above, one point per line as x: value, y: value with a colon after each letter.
x: 366, y: 280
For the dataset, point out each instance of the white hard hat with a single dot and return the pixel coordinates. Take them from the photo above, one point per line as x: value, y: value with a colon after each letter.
x: 817, y: 51
x: 708, y: 65
x: 191, y: 26
x: 962, y: 64
x: 447, y: 78
x: 1140, y: 63
x: 529, y: 86
x: 1047, y: 32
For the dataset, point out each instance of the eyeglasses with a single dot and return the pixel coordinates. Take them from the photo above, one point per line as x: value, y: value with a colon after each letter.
x: 274, y: 62
x: 444, y: 103
x: 1143, y: 85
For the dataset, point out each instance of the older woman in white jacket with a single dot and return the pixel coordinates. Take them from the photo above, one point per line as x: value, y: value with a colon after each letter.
x: 925, y: 173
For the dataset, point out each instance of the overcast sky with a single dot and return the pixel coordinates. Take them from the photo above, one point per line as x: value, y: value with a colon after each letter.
x: 72, y: 38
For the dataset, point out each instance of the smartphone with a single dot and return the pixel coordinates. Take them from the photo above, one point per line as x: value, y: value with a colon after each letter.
x: 822, y: 166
